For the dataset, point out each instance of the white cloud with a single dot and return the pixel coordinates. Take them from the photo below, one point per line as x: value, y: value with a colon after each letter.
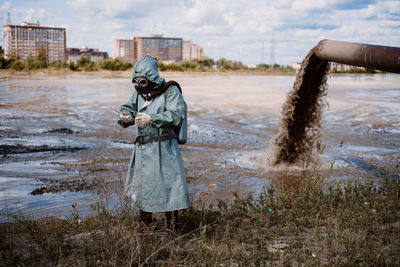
x: 310, y: 5
x: 29, y: 14
x: 5, y: 6
x: 36, y: 15
x: 86, y: 28
x: 229, y: 28
x: 112, y: 9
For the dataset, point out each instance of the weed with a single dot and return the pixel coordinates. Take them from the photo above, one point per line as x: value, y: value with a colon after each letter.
x: 351, y: 224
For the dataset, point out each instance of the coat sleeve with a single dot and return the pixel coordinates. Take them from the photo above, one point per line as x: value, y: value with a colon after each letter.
x: 174, y: 110
x: 130, y: 108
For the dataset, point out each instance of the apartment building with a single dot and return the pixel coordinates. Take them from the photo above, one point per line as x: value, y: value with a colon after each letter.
x: 73, y: 54
x: 26, y: 39
x: 165, y: 49
x: 191, y: 51
x: 343, y: 67
x: 334, y: 66
x: 123, y: 49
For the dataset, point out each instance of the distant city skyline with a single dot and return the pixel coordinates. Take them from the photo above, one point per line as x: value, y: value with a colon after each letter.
x: 231, y: 29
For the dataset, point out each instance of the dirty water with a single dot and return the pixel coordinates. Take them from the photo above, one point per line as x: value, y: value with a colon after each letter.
x: 300, y: 125
x: 60, y: 144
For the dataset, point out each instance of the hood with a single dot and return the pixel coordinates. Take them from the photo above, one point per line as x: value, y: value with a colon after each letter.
x: 147, y: 67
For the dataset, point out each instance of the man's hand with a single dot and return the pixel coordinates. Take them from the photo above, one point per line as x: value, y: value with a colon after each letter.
x: 142, y: 119
x: 125, y: 117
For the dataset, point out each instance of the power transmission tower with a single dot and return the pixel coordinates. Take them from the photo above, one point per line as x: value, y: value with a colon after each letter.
x: 262, y: 52
x: 272, y: 53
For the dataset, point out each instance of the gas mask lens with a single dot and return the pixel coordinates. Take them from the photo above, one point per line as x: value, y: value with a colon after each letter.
x: 142, y: 82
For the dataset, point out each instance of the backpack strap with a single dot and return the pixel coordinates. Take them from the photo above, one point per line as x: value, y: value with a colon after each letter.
x: 137, y: 100
x: 168, y: 85
x: 166, y: 91
x: 166, y: 95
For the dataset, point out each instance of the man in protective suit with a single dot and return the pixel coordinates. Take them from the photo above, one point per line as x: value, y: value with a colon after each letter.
x: 156, y: 180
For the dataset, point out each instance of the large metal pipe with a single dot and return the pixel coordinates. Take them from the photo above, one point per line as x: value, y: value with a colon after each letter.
x: 385, y: 58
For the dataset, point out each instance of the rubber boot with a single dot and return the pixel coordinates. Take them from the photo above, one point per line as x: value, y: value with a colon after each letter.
x: 168, y: 216
x: 145, y: 218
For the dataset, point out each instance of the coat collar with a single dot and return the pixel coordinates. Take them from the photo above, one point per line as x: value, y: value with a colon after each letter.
x: 146, y: 103
x: 142, y: 104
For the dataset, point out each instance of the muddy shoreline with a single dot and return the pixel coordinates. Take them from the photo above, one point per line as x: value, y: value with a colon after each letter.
x: 60, y: 142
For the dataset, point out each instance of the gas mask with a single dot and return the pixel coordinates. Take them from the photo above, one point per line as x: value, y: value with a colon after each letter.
x: 145, y: 88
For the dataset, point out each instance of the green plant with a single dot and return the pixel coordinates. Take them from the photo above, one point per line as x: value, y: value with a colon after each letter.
x: 42, y: 59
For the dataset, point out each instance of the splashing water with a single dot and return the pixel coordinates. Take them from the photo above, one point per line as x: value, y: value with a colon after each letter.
x: 300, y: 124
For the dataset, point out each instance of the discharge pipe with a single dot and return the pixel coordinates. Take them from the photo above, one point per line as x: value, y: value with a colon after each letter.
x: 384, y: 58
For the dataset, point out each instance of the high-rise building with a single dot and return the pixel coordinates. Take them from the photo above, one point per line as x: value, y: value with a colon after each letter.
x: 191, y: 51
x: 163, y: 48
x: 166, y: 49
x: 26, y: 39
x: 123, y: 49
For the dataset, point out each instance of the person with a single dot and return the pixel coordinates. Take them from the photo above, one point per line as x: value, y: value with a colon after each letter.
x: 156, y: 180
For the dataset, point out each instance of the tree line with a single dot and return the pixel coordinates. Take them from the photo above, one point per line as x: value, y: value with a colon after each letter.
x: 222, y: 64
x: 14, y: 62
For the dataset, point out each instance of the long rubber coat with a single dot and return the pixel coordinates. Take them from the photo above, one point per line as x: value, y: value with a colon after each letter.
x: 156, y: 180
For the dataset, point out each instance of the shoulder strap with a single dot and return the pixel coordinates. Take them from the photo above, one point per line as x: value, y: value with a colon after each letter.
x: 168, y: 85
x: 171, y: 83
x: 137, y: 99
x: 166, y: 94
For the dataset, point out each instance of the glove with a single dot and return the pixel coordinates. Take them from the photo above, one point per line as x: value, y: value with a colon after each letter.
x: 125, y: 117
x: 142, y: 119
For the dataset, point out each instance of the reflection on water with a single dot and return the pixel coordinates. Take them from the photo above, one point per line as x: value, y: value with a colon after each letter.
x: 58, y: 133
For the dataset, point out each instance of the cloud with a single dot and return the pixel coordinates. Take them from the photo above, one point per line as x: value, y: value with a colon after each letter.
x: 206, y: 13
x: 6, y: 6
x: 117, y: 8
x: 86, y: 28
x: 326, y: 6
x: 36, y: 15
x: 227, y: 28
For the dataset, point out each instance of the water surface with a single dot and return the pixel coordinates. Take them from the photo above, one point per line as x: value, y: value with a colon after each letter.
x: 59, y: 138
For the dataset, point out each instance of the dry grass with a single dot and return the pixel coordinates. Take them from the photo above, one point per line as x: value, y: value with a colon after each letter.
x: 307, y: 224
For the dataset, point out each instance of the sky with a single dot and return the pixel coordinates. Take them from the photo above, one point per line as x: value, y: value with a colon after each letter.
x: 247, y: 31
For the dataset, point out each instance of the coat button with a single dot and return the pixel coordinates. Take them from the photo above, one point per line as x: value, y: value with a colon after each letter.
x: 143, y: 147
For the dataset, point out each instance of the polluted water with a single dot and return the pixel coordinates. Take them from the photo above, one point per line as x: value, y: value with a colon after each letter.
x: 60, y: 143
x: 300, y: 124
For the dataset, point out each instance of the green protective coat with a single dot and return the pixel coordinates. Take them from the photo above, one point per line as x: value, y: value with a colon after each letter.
x: 156, y: 180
